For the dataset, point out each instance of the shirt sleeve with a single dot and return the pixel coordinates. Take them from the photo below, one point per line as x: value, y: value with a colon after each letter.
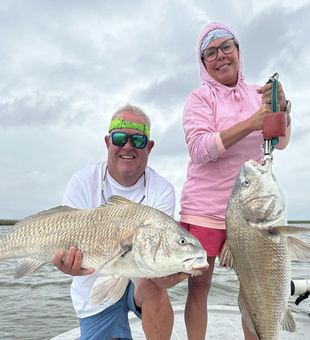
x: 75, y: 194
x: 200, y: 132
x: 166, y: 203
x: 160, y: 193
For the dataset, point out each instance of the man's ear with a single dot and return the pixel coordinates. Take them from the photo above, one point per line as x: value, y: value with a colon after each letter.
x: 107, y: 141
x: 150, y: 145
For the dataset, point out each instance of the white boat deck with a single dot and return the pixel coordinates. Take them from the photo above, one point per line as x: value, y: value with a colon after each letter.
x: 224, y: 324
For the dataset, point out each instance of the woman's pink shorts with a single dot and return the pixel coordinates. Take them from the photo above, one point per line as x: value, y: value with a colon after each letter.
x: 211, y: 239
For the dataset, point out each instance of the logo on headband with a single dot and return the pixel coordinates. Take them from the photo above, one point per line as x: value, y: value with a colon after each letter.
x: 119, y: 123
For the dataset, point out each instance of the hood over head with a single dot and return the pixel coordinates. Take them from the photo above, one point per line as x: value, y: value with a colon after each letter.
x: 220, y: 30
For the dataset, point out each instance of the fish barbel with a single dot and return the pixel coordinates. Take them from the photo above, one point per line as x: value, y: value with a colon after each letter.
x: 120, y: 240
x: 260, y: 246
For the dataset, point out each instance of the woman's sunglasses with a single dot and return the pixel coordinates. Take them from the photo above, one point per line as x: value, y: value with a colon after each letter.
x: 121, y: 138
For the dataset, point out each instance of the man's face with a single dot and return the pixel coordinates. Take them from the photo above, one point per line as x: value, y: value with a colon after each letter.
x: 126, y: 163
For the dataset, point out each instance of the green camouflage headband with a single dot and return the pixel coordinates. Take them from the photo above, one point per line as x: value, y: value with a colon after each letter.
x: 119, y: 123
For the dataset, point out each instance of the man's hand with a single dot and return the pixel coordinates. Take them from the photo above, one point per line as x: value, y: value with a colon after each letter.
x: 70, y: 263
x: 171, y: 280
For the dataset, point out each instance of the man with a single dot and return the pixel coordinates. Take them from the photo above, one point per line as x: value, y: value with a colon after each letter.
x: 125, y: 174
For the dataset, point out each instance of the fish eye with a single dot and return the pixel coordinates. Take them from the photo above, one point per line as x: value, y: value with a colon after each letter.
x: 182, y: 241
x: 245, y: 183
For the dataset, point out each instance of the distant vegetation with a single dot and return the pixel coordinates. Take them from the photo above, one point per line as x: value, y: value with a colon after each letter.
x: 11, y: 222
x: 7, y: 222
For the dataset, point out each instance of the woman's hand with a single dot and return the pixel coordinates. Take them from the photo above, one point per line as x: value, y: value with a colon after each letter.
x: 266, y: 95
x: 257, y: 119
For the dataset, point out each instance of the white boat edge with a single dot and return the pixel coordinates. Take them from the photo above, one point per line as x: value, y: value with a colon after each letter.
x: 224, y: 323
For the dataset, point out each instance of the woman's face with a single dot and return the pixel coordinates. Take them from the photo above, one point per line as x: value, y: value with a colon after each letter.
x: 224, y: 68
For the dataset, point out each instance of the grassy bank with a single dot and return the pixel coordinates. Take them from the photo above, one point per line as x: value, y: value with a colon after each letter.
x: 12, y: 222
x: 7, y: 222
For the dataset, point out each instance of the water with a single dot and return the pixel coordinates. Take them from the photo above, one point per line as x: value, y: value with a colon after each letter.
x: 38, y: 307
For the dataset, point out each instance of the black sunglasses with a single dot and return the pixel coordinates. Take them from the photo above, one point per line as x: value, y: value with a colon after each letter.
x: 121, y: 138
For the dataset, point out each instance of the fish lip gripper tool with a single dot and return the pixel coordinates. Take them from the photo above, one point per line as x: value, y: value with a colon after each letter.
x: 274, y: 123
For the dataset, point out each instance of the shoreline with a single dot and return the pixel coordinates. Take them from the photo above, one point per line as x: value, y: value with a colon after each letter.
x: 8, y: 222
x: 12, y: 221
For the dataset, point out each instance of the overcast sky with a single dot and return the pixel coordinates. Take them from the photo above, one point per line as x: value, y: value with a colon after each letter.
x: 66, y: 66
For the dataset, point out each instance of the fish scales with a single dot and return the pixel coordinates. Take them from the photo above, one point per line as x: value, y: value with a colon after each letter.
x: 260, y: 247
x: 77, y: 228
x: 272, y: 289
x: 111, y: 237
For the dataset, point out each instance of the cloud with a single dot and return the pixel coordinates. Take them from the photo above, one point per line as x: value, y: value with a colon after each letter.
x: 65, y: 68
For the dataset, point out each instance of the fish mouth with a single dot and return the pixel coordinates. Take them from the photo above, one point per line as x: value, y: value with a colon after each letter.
x: 196, y: 264
x: 265, y: 166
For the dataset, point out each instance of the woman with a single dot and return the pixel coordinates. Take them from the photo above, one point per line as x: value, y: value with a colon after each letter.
x: 222, y: 124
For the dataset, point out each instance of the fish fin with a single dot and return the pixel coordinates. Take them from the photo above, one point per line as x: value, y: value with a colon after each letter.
x: 120, y: 252
x: 226, y: 257
x: 286, y: 230
x: 246, y: 315
x: 298, y: 250
x: 27, y: 266
x: 108, y: 289
x: 288, y: 322
x: 56, y: 210
x: 118, y: 200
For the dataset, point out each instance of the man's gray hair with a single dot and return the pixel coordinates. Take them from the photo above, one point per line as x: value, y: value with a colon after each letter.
x: 132, y: 109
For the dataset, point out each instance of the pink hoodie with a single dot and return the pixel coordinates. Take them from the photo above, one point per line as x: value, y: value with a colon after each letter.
x: 212, y: 169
